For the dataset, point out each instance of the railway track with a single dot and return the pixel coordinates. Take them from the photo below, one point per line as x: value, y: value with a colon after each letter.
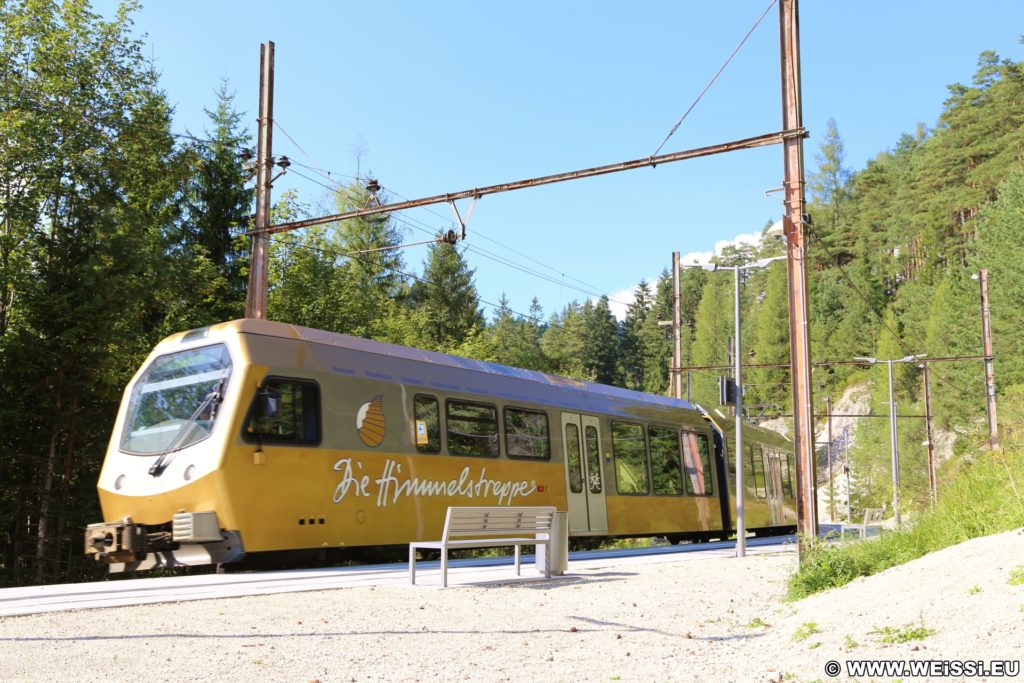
x: 143, y: 591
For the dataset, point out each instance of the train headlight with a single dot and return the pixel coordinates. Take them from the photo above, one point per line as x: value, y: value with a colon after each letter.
x: 119, y: 483
x: 190, y: 472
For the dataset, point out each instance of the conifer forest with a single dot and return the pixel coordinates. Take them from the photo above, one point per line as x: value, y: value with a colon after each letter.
x: 117, y: 230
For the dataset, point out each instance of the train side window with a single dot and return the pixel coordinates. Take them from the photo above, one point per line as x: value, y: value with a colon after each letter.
x: 296, y: 418
x: 593, y: 459
x: 472, y: 429
x: 757, y: 462
x: 630, y: 453
x: 572, y: 456
x: 666, y: 473
x: 526, y: 434
x: 787, y: 476
x: 427, y: 424
x: 697, y: 464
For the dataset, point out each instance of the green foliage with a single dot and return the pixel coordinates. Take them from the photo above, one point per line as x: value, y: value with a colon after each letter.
x: 805, y: 631
x: 448, y: 296
x: 768, y: 389
x: 218, y: 206
x: 891, y: 635
x: 982, y: 499
x: 714, y: 327
x: 1000, y: 249
x: 89, y: 188
x: 1017, y: 576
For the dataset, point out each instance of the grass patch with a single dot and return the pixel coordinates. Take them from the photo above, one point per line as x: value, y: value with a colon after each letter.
x: 974, y: 590
x: 757, y: 622
x: 1017, y: 576
x: 981, y: 500
x: 891, y: 635
x: 805, y: 631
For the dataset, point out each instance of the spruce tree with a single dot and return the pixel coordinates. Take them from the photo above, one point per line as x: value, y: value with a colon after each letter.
x: 714, y: 327
x: 633, y: 339
x: 219, y: 206
x: 769, y: 388
x: 1000, y: 249
x: 448, y: 296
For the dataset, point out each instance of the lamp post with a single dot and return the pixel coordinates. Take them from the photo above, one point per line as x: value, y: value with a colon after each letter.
x: 894, y: 444
x: 741, y: 532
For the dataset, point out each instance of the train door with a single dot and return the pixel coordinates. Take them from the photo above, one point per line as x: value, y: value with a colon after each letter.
x: 581, y: 441
x: 773, y: 484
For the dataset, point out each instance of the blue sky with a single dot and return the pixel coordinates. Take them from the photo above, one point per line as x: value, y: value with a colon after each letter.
x: 435, y: 97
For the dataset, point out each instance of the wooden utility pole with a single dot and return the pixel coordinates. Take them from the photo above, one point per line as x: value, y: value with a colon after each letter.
x: 796, y: 268
x: 677, y: 351
x: 990, y: 374
x: 256, y: 296
x: 932, y: 482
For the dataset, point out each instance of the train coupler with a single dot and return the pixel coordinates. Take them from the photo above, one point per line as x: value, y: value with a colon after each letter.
x: 116, y: 541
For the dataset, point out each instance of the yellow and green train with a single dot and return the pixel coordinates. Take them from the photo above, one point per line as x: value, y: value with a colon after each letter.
x: 253, y: 437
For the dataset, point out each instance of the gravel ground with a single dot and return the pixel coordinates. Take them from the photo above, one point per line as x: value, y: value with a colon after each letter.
x: 715, y: 619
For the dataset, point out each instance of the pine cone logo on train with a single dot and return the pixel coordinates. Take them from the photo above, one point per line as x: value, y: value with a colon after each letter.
x: 370, y: 422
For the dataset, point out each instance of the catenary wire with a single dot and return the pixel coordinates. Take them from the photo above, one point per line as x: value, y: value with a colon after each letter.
x: 331, y: 252
x: 715, y: 77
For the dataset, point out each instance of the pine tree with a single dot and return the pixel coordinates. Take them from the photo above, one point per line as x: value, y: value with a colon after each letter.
x: 769, y: 387
x: 714, y: 327
x: 218, y: 212
x: 516, y: 339
x: 633, y: 340
x: 1000, y: 249
x: 448, y: 296
x: 601, y: 343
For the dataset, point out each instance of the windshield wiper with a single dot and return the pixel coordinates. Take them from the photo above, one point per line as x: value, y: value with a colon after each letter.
x: 209, y: 402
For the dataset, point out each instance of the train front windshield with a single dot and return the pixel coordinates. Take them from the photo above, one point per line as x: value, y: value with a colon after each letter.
x: 174, y: 403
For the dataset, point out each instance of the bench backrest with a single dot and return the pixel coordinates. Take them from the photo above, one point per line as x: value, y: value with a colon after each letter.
x: 873, y: 515
x: 497, y: 522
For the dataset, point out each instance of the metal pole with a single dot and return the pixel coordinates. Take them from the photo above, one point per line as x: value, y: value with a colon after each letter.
x: 990, y: 376
x: 677, y: 352
x: 894, y: 445
x: 796, y: 267
x: 828, y: 452
x: 849, y: 490
x: 256, y: 296
x: 741, y: 531
x: 932, y: 482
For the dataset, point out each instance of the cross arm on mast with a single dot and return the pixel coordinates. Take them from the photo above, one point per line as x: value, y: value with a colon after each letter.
x: 652, y: 161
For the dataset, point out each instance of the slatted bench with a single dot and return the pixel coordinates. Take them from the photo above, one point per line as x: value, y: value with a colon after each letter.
x: 486, y: 527
x: 872, y: 518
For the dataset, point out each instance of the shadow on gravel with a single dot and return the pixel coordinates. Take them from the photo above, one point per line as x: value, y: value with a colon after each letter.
x: 540, y: 583
x: 326, y: 634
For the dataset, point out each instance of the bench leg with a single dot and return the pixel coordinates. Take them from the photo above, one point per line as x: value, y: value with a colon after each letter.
x: 518, y: 552
x: 444, y: 567
x: 412, y: 564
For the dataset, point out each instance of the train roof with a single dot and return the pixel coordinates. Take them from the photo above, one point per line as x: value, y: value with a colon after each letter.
x: 615, y: 399
x: 288, y: 331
